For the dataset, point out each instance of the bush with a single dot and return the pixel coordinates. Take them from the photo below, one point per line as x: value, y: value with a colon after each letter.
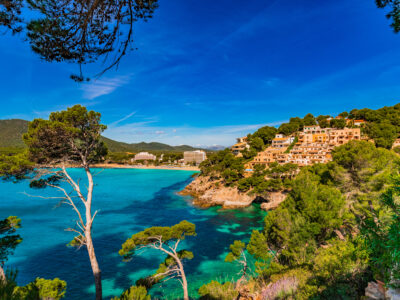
x: 134, y: 293
x: 215, y: 290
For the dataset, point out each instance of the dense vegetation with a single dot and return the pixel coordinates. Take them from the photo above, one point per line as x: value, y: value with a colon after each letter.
x: 313, y: 238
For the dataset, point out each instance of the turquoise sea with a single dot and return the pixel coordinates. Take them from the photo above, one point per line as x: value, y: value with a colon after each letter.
x: 128, y: 201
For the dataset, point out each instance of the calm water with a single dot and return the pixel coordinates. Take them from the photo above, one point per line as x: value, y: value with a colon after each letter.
x: 129, y: 200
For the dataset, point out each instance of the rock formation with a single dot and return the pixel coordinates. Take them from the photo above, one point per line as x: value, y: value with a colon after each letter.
x: 208, y: 192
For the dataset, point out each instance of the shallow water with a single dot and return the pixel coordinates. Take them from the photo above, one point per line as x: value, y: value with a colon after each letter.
x: 128, y: 201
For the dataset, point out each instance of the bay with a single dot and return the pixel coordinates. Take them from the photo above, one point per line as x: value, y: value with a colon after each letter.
x: 128, y: 200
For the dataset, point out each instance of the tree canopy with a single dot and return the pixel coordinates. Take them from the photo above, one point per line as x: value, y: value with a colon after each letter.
x: 72, y: 135
x: 77, y: 31
x: 9, y: 240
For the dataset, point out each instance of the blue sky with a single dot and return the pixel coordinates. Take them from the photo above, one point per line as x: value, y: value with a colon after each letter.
x: 208, y: 71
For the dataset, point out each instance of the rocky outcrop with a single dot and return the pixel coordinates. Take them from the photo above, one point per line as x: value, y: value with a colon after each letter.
x: 377, y: 291
x: 273, y: 200
x: 208, y: 192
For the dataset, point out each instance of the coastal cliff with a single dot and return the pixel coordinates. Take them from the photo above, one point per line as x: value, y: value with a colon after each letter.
x: 209, y: 192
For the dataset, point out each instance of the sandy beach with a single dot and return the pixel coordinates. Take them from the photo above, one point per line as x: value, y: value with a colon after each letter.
x: 118, y: 166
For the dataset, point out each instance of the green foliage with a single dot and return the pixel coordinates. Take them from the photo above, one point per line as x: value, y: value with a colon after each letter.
x: 309, y: 120
x: 383, y: 125
x: 294, y: 125
x: 266, y: 133
x: 237, y: 249
x: 335, y: 261
x: 134, y: 293
x: 120, y: 157
x: 8, y: 239
x: 364, y: 161
x: 150, y: 235
x: 312, y: 235
x: 258, y: 246
x: 308, y: 216
x: 8, y: 286
x: 154, y: 147
x: 76, y: 32
x: 217, y: 291
x: 249, y: 154
x: 396, y: 149
x: 42, y: 289
x: 225, y: 164
x: 71, y: 135
x: 165, y: 240
x: 394, y: 14
x: 257, y: 143
x: 384, y: 134
x: 338, y: 123
x: 323, y: 121
x: 381, y: 233
x: 15, y: 166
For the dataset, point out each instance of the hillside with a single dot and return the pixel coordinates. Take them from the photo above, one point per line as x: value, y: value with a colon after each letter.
x: 11, y: 132
x: 115, y: 146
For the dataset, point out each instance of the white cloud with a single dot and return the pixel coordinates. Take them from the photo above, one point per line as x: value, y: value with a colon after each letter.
x: 123, y: 119
x: 103, y: 86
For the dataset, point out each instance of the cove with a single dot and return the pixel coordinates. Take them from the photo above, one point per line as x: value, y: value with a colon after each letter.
x: 128, y: 200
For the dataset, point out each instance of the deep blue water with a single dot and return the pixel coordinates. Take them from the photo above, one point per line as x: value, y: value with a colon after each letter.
x: 128, y: 200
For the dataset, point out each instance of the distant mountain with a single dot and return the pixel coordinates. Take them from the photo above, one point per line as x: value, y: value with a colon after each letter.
x: 215, y: 147
x: 11, y: 132
x: 115, y: 146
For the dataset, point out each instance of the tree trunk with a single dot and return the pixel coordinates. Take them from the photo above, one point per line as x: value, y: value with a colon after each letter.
x: 2, y: 274
x: 88, y: 236
x: 95, y: 265
x: 184, y: 281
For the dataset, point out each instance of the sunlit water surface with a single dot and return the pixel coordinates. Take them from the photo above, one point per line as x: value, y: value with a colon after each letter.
x: 128, y: 201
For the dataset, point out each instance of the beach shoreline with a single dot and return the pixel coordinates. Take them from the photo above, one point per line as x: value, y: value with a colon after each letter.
x: 118, y: 166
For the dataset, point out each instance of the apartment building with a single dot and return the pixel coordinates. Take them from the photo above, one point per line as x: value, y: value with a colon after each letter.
x: 144, y: 156
x: 197, y: 157
x: 268, y: 156
x: 314, y: 145
x: 281, y: 141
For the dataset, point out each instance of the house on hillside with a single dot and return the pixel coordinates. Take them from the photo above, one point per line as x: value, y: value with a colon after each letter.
x: 281, y: 141
x: 314, y: 145
x: 242, y: 144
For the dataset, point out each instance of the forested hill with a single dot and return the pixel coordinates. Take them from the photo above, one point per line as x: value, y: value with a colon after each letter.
x: 115, y: 146
x: 11, y: 132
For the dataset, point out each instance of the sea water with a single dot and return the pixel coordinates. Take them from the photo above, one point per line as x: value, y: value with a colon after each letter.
x: 128, y: 201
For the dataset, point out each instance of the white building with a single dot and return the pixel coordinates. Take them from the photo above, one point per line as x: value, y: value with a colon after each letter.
x: 145, y: 156
x: 196, y: 157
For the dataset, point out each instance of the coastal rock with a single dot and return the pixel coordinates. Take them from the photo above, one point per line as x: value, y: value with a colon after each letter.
x: 208, y: 192
x: 374, y: 291
x: 273, y: 200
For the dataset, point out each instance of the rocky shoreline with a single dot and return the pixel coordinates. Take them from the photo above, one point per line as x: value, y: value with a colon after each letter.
x: 208, y: 192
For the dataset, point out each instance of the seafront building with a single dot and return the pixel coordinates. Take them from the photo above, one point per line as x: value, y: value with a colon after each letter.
x: 314, y: 145
x: 144, y: 156
x: 197, y: 157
